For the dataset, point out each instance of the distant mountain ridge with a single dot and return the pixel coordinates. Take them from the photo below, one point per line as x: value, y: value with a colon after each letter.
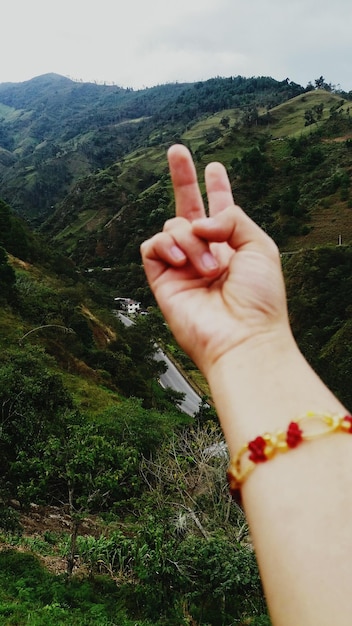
x: 86, y: 162
x: 290, y: 170
x: 54, y: 131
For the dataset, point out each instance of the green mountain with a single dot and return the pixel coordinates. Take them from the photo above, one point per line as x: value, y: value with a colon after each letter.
x: 121, y: 495
x: 54, y: 131
x: 289, y: 167
x: 86, y: 163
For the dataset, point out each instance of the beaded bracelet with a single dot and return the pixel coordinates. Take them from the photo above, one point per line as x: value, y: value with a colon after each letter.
x: 266, y: 446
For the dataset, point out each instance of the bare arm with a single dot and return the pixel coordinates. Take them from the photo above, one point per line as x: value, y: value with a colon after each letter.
x: 218, y: 281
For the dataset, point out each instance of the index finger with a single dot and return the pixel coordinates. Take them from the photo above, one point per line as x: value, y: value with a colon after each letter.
x: 189, y: 202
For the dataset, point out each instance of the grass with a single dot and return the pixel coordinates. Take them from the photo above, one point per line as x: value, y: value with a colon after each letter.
x: 30, y: 595
x: 150, y: 159
x: 288, y: 118
x: 83, y: 219
x: 327, y: 224
x: 195, y: 136
x: 199, y: 382
x: 10, y: 329
x: 9, y: 113
x: 91, y: 397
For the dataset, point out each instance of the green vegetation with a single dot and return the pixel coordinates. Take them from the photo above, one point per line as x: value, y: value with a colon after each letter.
x: 185, y: 553
x: 31, y: 595
x: 292, y: 177
x: 54, y: 131
x: 88, y: 438
x: 114, y: 508
x: 319, y: 284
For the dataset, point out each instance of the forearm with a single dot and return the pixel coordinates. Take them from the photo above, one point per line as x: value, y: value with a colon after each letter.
x: 296, y: 503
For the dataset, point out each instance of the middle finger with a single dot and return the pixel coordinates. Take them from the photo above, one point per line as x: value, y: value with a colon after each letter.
x: 218, y: 188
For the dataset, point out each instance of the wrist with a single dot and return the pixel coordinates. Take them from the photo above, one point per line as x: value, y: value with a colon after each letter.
x: 262, y: 385
x: 257, y: 356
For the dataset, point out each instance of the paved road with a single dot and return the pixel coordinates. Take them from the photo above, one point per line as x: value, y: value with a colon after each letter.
x: 173, y: 378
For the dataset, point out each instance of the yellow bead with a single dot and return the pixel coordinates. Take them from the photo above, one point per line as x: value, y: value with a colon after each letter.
x: 269, y: 451
x: 282, y: 446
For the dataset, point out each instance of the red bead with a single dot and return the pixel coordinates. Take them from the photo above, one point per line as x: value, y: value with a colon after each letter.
x: 348, y: 418
x: 257, y: 450
x: 293, y: 435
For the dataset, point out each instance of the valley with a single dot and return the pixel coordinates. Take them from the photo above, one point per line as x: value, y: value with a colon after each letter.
x: 110, y: 513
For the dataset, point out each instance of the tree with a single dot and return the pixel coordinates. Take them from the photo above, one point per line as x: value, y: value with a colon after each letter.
x: 309, y: 117
x: 319, y: 108
x: 7, y: 278
x: 33, y: 402
x: 5, y: 223
x: 212, y: 134
x: 251, y: 117
x: 87, y: 471
x: 225, y: 121
x: 12, y: 234
x: 319, y: 82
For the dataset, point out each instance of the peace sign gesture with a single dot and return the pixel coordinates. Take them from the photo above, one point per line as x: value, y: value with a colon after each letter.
x: 217, y: 279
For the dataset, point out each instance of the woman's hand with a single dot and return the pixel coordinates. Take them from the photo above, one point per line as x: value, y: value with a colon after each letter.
x: 217, y: 279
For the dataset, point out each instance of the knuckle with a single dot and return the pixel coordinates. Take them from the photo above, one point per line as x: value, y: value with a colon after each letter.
x: 169, y: 224
x: 175, y: 223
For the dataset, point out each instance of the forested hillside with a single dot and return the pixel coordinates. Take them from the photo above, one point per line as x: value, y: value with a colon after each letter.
x: 113, y: 507
x: 54, y: 131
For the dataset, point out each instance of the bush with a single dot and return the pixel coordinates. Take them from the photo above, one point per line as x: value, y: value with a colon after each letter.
x: 31, y: 596
x: 9, y: 519
x: 220, y: 579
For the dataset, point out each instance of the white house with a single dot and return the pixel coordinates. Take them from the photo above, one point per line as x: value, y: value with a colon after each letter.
x: 128, y: 305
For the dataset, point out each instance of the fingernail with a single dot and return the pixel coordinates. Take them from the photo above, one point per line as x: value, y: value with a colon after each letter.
x: 209, y: 262
x: 177, y: 253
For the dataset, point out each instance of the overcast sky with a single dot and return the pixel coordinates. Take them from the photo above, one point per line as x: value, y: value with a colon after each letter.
x: 141, y: 43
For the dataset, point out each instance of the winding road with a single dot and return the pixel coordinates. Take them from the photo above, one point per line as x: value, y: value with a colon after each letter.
x: 172, y: 377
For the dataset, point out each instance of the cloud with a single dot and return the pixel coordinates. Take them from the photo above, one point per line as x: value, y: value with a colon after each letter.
x: 145, y: 42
